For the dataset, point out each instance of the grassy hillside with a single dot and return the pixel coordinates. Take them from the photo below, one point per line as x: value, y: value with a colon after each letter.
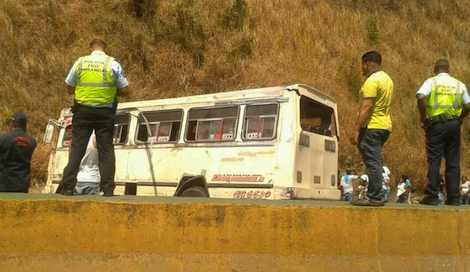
x: 178, y: 48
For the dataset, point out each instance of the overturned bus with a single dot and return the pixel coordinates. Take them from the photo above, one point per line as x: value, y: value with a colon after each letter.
x: 266, y: 143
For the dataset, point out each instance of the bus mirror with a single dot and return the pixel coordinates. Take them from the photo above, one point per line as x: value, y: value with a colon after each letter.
x: 49, y: 133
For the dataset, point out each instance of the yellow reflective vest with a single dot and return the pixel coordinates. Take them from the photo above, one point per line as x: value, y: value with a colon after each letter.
x: 445, y: 98
x: 95, y: 85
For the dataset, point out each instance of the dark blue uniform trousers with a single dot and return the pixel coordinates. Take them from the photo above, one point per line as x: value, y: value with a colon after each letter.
x: 443, y: 139
x: 85, y: 120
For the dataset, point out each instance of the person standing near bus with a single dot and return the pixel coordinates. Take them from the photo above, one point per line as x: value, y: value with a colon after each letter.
x: 95, y: 80
x: 464, y: 190
x: 88, y: 178
x: 401, y: 190
x: 443, y: 103
x: 386, y: 181
x: 408, y: 188
x: 373, y: 124
x: 346, y: 186
x: 16, y: 151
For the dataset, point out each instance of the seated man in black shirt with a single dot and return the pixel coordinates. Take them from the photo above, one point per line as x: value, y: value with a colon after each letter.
x: 16, y: 150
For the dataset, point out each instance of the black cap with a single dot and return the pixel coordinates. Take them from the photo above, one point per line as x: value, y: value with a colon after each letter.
x: 19, y: 118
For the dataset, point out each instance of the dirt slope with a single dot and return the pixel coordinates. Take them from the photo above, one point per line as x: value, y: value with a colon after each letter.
x: 178, y: 48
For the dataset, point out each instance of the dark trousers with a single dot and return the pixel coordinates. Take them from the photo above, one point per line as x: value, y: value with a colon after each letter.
x: 402, y: 198
x: 443, y: 139
x: 85, y: 120
x: 370, y: 146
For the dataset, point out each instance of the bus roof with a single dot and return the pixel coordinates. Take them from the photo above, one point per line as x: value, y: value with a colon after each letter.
x: 314, y: 91
x: 241, y: 95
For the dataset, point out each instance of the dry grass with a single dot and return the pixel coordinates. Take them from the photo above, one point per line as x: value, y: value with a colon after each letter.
x: 177, y: 48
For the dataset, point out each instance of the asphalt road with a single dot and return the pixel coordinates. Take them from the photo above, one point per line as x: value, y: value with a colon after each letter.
x: 194, y: 200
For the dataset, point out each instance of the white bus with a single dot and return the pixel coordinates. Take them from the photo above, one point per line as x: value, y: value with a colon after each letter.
x: 266, y: 143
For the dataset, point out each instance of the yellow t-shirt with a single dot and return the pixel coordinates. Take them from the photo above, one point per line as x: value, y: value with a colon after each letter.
x: 379, y: 86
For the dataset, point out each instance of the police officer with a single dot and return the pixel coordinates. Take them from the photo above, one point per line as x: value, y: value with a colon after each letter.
x: 443, y: 103
x: 16, y: 150
x: 95, y: 80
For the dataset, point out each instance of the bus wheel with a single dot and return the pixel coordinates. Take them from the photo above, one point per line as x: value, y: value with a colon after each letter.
x: 195, y: 191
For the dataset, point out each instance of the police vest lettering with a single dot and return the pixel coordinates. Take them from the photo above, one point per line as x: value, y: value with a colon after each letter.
x: 445, y: 98
x: 95, y: 84
x: 93, y: 65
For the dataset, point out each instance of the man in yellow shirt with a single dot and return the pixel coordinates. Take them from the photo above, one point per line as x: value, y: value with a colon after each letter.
x: 373, y: 125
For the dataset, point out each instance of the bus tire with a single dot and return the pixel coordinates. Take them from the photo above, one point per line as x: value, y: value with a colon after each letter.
x: 194, y: 191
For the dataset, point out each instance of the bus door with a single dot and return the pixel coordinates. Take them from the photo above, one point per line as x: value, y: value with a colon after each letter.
x: 317, y: 155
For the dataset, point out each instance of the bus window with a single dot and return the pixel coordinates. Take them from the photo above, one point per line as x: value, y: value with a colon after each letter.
x: 164, y: 126
x: 228, y: 129
x: 260, y: 122
x: 316, y: 118
x: 217, y: 124
x: 67, y: 140
x: 121, y: 129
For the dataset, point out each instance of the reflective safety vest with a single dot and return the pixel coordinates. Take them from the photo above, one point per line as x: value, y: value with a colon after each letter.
x: 95, y: 85
x: 445, y: 98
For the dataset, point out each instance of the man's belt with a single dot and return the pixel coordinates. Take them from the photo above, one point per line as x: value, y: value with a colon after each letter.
x: 442, y: 119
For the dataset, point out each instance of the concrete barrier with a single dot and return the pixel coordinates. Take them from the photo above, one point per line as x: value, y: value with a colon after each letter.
x: 54, y: 233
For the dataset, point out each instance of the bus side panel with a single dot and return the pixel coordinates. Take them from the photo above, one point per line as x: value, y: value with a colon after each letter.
x: 227, y: 168
x: 237, y: 169
x: 151, y: 168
